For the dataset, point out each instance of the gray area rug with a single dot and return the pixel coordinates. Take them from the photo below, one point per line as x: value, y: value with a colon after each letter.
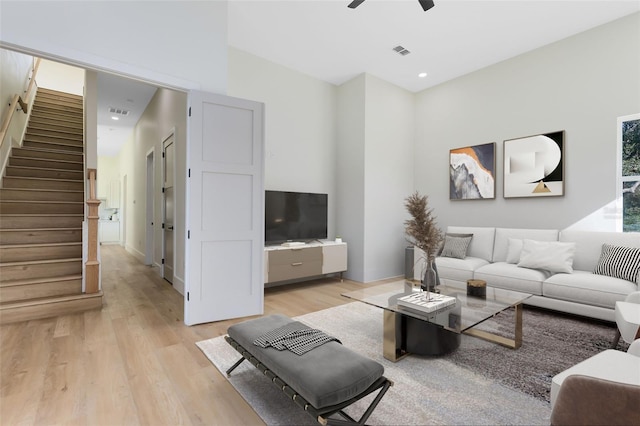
x: 552, y: 342
x: 480, y: 383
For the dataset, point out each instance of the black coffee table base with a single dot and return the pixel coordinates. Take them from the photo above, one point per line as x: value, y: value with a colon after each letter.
x: 404, y: 335
x: 424, y: 338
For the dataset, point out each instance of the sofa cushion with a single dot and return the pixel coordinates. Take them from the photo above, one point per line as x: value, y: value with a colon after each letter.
x: 619, y: 262
x: 551, y: 256
x: 456, y: 245
x: 589, y: 245
x: 503, y: 234
x: 450, y: 268
x: 481, y: 245
x: 587, y: 288
x: 511, y: 277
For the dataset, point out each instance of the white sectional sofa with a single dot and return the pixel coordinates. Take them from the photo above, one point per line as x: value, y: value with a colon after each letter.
x: 579, y: 292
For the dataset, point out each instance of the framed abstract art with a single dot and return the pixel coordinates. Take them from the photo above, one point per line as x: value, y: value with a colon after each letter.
x: 534, y: 166
x: 472, y: 172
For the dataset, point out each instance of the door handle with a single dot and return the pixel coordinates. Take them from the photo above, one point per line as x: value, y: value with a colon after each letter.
x: 170, y: 228
x: 296, y: 264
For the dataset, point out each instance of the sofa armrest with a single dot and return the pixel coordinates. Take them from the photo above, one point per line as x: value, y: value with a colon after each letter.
x: 585, y: 400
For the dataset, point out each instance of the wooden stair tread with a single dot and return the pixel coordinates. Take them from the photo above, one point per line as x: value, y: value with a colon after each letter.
x: 30, y: 281
x: 49, y: 150
x: 54, y: 92
x: 10, y: 215
x: 66, y: 244
x: 39, y: 262
x: 41, y: 202
x: 47, y: 159
x: 38, y: 229
x: 49, y: 300
x: 31, y: 178
x: 81, y: 172
x: 43, y: 189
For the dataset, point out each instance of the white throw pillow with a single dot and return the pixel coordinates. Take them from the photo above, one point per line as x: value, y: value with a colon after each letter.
x: 514, y: 248
x: 551, y: 256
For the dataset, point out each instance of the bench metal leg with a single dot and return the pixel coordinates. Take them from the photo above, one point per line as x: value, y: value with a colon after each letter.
x: 323, y: 415
x: 365, y: 416
x: 234, y: 366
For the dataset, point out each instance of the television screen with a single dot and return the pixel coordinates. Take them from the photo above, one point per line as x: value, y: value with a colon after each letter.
x: 294, y: 216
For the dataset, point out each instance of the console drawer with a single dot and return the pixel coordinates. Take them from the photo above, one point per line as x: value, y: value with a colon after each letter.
x: 294, y: 263
x: 287, y: 257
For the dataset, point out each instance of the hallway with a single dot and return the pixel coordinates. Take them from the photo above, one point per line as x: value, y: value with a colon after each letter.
x: 134, y: 361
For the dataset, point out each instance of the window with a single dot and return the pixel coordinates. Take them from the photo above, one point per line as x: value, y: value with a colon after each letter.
x: 629, y: 171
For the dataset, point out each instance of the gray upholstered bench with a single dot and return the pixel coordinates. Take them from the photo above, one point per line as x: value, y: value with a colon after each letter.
x: 323, y: 381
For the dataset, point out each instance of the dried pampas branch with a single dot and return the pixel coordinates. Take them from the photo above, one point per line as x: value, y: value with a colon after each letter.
x: 422, y: 230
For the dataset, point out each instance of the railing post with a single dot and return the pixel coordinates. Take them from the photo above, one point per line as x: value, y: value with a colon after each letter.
x: 92, y: 267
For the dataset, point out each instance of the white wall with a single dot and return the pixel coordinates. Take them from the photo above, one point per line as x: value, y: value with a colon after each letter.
x: 580, y: 85
x: 300, y: 125
x: 166, y: 111
x: 108, y: 171
x: 90, y: 112
x: 388, y: 159
x: 60, y: 77
x: 15, y: 69
x: 14, y: 77
x: 375, y: 174
x: 351, y: 173
x: 176, y: 43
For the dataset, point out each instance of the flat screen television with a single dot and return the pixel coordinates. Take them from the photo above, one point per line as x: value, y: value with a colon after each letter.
x: 294, y: 216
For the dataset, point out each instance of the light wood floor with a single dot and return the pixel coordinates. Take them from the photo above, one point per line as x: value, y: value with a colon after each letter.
x: 134, y: 361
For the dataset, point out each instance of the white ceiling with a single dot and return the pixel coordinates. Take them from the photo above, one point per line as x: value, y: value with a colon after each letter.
x: 329, y: 41
x: 120, y: 93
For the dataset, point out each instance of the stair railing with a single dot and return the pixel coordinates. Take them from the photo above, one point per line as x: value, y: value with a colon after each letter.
x: 92, y: 266
x: 17, y: 100
x: 7, y: 119
x: 18, y: 103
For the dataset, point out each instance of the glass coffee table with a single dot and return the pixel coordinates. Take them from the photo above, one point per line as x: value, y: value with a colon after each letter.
x: 408, y: 330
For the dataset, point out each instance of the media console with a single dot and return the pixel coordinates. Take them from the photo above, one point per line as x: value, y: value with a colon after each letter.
x: 284, y: 263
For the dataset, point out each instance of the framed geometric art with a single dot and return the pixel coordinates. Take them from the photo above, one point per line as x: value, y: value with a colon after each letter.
x: 472, y: 172
x: 534, y: 166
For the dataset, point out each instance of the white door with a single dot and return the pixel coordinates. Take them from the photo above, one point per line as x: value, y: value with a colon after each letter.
x: 225, y: 214
x: 168, y: 151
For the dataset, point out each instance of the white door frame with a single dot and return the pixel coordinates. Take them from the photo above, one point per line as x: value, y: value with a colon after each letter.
x: 170, y: 135
x: 150, y: 213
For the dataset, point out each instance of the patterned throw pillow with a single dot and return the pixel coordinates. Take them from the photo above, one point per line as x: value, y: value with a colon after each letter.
x: 619, y: 262
x: 456, y: 246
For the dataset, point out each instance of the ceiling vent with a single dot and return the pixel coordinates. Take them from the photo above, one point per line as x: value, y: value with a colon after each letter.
x: 119, y: 111
x: 401, y: 50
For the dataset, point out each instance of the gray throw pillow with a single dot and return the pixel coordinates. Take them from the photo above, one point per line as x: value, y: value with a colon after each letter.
x: 456, y: 245
x: 619, y: 262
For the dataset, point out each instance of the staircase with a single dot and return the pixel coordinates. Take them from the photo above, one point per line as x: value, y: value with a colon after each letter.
x: 41, y: 214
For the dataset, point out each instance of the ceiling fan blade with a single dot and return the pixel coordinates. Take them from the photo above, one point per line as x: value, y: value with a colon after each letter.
x: 426, y: 4
x: 355, y: 3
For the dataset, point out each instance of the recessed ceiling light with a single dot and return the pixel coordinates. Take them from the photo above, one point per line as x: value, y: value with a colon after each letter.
x: 115, y: 118
x: 422, y: 75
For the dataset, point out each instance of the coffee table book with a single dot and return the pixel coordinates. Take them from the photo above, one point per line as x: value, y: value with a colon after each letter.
x: 419, y: 302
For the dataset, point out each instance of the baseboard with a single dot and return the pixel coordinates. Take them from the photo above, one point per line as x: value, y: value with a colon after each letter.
x: 178, y: 285
x: 140, y: 256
